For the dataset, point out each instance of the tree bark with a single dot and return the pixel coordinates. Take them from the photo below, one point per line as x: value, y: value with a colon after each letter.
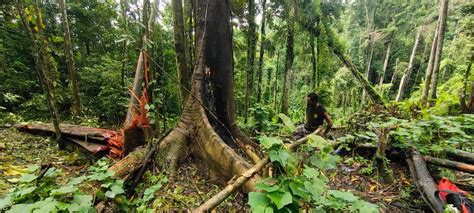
x: 385, y: 63
x: 369, y: 63
x: 464, y: 105
x: 443, y: 13
x: 313, y: 62
x: 76, y: 106
x: 423, y: 58
x: 42, y: 59
x: 262, y: 50
x: 406, y: 75
x: 289, y: 57
x: 251, y: 43
x: 275, y: 85
x: 450, y: 164
x: 429, y: 69
x: 424, y: 182
x: 207, y: 127
x: 180, y: 47
x: 371, y: 92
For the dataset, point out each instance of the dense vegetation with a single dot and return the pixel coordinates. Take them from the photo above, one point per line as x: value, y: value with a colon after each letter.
x: 399, y: 67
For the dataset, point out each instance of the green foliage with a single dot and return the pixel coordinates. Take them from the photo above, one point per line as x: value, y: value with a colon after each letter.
x: 46, y: 194
x: 302, y: 182
x: 428, y: 135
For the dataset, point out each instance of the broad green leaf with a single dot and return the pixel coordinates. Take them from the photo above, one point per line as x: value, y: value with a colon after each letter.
x: 47, y: 205
x: 267, y: 188
x: 77, y: 180
x: 316, y: 187
x: 83, y: 200
x: 63, y: 190
x: 5, y: 202
x: 114, y: 190
x: 20, y: 208
x: 299, y: 189
x: 281, y: 199
x: 33, y: 168
x: 26, y: 191
x: 269, y: 142
x: 26, y: 178
x: 317, y: 141
x: 258, y: 199
x: 347, y: 196
x: 363, y: 206
x: 310, y: 172
x: 289, y: 125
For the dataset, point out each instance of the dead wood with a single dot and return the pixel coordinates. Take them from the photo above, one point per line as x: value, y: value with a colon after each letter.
x: 450, y: 164
x: 424, y: 182
x: 84, y: 133
x: 91, y: 147
x: 460, y: 155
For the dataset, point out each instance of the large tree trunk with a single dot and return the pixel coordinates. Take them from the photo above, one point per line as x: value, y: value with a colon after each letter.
x: 180, y: 47
x: 251, y: 43
x: 406, y: 75
x: 385, y: 63
x: 43, y: 64
x: 76, y: 106
x: 207, y: 128
x: 262, y: 50
x: 289, y: 57
x: 443, y: 13
x: 429, y: 69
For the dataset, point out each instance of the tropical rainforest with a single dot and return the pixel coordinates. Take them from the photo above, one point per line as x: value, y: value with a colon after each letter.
x: 236, y: 105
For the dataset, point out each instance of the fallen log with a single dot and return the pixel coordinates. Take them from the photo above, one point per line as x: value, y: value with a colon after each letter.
x: 460, y: 155
x: 450, y: 164
x: 84, y: 133
x: 240, y: 180
x: 91, y: 147
x: 424, y: 182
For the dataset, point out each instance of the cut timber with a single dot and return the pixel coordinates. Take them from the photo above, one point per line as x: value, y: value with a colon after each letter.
x: 466, y: 157
x: 91, y: 147
x: 424, y: 182
x: 450, y: 164
x: 68, y: 130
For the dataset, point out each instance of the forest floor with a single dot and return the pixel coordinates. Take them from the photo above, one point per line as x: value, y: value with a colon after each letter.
x: 189, y: 187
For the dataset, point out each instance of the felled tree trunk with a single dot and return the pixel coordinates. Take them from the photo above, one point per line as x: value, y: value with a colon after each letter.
x: 207, y: 128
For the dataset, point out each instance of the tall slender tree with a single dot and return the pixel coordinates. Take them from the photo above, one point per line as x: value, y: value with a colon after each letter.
x: 262, y: 51
x: 251, y: 44
x: 73, y: 82
x: 385, y: 63
x: 289, y: 54
x: 406, y: 75
x: 42, y: 60
x: 443, y: 13
x: 180, y: 46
